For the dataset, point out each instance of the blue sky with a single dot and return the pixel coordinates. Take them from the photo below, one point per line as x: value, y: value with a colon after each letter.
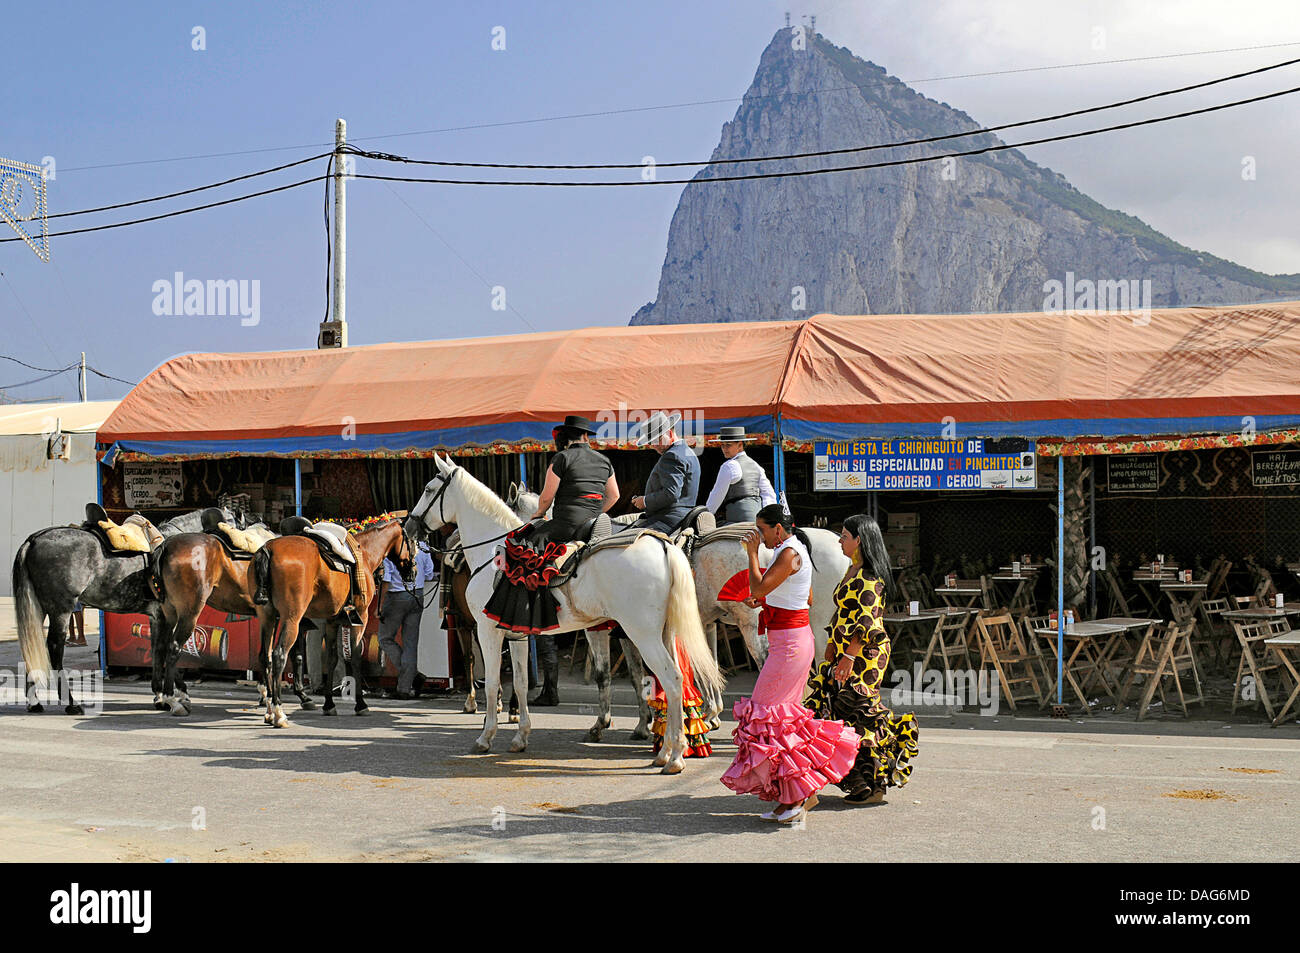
x: 101, y: 85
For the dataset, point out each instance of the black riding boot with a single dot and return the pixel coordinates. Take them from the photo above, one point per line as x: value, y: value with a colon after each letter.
x: 548, y: 662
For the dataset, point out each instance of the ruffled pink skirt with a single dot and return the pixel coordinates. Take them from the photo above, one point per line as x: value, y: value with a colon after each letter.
x: 783, y: 752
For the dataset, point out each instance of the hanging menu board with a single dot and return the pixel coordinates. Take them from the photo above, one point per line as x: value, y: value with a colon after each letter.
x: 1275, y: 467
x: 152, y: 485
x: 925, y: 464
x: 1133, y: 473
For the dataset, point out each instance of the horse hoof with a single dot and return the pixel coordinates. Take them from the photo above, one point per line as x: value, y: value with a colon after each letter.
x: 36, y: 709
x: 661, y: 760
x: 308, y: 705
x: 673, y: 767
x: 480, y: 748
x: 268, y: 718
x: 330, y: 711
x: 74, y: 710
x: 639, y: 734
x: 180, y: 711
x: 512, y: 719
x: 595, y: 734
x: 160, y: 706
x: 187, y: 705
x: 281, y: 721
x: 518, y: 746
x: 363, y: 711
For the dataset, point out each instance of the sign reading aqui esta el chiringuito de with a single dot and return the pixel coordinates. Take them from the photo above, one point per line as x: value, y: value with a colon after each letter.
x: 973, y: 463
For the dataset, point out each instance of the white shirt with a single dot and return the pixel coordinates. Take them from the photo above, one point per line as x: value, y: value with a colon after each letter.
x: 424, y: 571
x: 793, y: 592
x: 729, y: 474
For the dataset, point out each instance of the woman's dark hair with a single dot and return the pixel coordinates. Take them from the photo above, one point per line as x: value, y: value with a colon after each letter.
x: 774, y: 514
x: 871, y: 549
x: 565, y: 436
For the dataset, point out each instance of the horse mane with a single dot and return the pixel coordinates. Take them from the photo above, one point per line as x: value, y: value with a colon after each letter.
x: 483, y: 499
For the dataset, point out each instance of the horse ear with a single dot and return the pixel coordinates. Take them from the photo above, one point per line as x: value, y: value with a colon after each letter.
x: 440, y: 463
x: 513, y: 495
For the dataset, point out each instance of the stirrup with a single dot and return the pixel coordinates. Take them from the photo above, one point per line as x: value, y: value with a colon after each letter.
x: 352, y: 616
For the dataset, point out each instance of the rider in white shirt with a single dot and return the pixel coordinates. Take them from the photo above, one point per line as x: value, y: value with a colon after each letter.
x: 741, y: 485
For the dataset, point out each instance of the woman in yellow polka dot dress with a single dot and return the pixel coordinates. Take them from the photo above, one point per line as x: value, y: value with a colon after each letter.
x: 846, y: 685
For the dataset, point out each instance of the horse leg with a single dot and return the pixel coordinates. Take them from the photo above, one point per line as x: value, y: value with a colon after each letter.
x: 54, y: 642
x: 301, y: 677
x: 158, y: 636
x: 467, y: 654
x: 182, y: 628
x: 711, y: 695
x: 519, y: 658
x: 269, y: 625
x: 355, y: 668
x: 489, y: 640
x: 288, y: 635
x: 329, y: 660
x: 598, y: 649
x: 659, y: 659
x: 636, y: 674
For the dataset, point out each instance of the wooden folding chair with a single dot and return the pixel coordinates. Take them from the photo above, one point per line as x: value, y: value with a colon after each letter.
x: 1265, y: 591
x: 1118, y: 601
x: 1046, y: 660
x: 1002, y: 648
x: 1210, y: 636
x: 1256, y: 662
x: 950, y: 641
x: 1166, y: 652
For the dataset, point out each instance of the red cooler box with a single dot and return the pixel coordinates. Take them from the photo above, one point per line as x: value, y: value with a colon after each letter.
x: 221, y: 642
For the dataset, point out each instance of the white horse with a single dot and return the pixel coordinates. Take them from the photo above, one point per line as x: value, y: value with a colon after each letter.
x: 713, y: 565
x: 646, y: 587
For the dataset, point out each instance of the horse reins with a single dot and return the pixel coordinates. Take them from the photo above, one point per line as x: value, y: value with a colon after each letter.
x: 442, y: 516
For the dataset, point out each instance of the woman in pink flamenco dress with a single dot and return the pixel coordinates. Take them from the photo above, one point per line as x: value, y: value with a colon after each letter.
x: 783, y: 753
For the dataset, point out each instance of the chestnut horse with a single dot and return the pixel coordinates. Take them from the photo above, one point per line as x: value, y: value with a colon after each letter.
x: 194, y: 569
x: 301, y: 584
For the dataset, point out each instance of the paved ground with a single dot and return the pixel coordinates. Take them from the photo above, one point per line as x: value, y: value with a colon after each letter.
x: 134, y: 784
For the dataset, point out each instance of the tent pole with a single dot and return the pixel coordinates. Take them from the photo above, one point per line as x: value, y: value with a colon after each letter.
x: 523, y: 471
x: 1060, y: 576
x: 103, y: 631
x: 778, y: 460
x: 297, y: 486
x: 1092, y: 539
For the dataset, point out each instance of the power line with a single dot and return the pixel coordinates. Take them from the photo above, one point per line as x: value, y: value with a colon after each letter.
x: 702, y: 177
x: 703, y: 102
x: 201, y: 188
x: 54, y: 370
x: 183, y: 211
x: 834, y: 152
x: 110, y: 377
x: 35, y: 380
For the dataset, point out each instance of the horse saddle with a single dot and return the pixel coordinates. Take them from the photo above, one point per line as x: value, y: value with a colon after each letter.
x: 238, y: 543
x: 332, y: 538
x: 133, y: 536
x: 576, y: 552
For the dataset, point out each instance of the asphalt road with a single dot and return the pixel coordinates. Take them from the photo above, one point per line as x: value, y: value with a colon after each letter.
x: 134, y: 784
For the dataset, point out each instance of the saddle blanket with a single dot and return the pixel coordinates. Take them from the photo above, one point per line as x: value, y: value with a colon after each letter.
x: 334, y: 535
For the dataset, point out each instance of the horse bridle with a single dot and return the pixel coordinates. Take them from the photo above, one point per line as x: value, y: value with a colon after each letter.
x: 418, y: 514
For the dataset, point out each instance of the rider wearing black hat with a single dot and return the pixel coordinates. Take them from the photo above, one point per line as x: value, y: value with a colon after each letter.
x: 580, y: 483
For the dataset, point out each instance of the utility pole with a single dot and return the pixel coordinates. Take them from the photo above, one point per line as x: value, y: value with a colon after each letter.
x: 82, y: 379
x: 334, y: 332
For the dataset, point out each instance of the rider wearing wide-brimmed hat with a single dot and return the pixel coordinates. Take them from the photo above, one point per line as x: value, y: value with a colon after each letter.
x: 742, y: 486
x: 674, y: 483
x: 579, y: 482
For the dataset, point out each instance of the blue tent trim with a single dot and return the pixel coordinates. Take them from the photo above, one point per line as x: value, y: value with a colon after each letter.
x: 793, y: 429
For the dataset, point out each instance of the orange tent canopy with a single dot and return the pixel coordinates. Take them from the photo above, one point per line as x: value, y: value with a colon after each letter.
x: 1037, y: 375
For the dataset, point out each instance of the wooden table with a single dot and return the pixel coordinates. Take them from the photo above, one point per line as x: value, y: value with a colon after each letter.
x: 908, y: 625
x: 959, y: 597
x: 1086, y: 637
x: 1183, y: 597
x: 1019, y: 597
x: 1148, y: 584
x: 1286, y: 646
x: 1125, y: 624
x: 1263, y: 612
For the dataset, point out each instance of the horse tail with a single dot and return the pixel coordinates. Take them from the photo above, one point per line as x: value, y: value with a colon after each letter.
x: 155, y: 576
x: 683, y: 623
x: 262, y: 576
x: 31, y: 618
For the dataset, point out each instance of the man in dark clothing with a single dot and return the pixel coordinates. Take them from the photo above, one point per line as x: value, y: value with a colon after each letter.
x: 674, y: 483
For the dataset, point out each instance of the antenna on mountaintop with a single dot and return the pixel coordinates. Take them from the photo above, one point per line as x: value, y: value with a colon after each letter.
x: 787, y: 19
x: 812, y: 21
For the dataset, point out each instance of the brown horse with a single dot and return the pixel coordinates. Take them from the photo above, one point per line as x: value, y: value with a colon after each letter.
x: 301, y: 584
x: 194, y: 569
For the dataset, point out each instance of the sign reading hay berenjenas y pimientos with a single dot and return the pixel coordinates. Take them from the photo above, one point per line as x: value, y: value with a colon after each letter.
x: 973, y: 463
x: 1275, y: 467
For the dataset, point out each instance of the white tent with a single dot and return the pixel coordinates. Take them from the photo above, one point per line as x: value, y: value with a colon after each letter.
x: 35, y: 491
